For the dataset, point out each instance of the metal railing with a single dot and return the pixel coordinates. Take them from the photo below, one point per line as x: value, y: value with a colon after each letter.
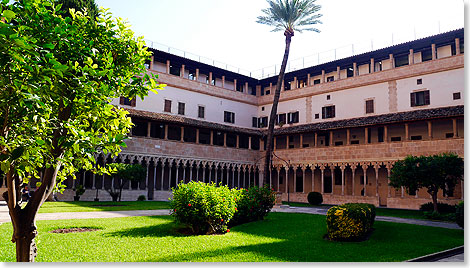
x: 316, y: 58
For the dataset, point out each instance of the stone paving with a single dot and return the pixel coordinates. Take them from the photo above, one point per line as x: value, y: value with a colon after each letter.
x: 5, y: 217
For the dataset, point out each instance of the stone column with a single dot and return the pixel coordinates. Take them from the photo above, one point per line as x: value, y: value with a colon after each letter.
x: 233, y: 177
x: 287, y: 179
x: 338, y: 73
x: 322, y: 76
x: 182, y: 71
x: 316, y: 139
x: 210, y: 78
x: 163, y: 172
x: 271, y: 178
x: 204, y: 173
x: 376, y: 168
x: 385, y: 133
x: 235, y: 84
x: 246, y: 88
x: 392, y: 61
x: 301, y: 141
x: 332, y: 171
x: 278, y: 171
x: 313, y: 178
x: 303, y: 179
x: 457, y: 46
x: 429, y: 129
x: 238, y: 177
x: 342, y: 167
x: 149, y: 128
x: 197, y: 135
x: 249, y: 142
x: 454, y: 128
x: 169, y: 177
x: 364, y: 171
x: 287, y: 141
x: 411, y: 57
x: 274, y: 142
x: 155, y: 163
x: 348, y: 137
x: 402, y: 192
x: 271, y: 88
x: 355, y: 69
x: 295, y: 179
x: 308, y: 80
x: 331, y: 138
x: 177, y: 172
x: 210, y: 173
x: 237, y: 144
x: 184, y: 172
x: 223, y: 80
x: 212, y: 138
x: 182, y: 134
x: 167, y: 66
x: 295, y: 83
x: 216, y: 173
x: 372, y: 65
x: 433, y: 51
x: 197, y: 75
x: 152, y: 59
x: 407, y: 134
x: 353, y: 169
x: 225, y: 139
x: 166, y: 132
x: 322, y: 169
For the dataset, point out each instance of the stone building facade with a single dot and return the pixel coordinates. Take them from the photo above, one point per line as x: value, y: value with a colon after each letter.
x: 340, y: 126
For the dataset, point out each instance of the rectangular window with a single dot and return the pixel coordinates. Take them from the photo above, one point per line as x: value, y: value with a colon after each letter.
x: 426, y: 55
x: 229, y: 117
x: 369, y: 106
x: 254, y: 122
x: 328, y: 112
x: 456, y: 96
x: 204, y: 136
x: 175, y: 70
x: 416, y: 138
x: 378, y: 66
x: 140, y: 128
x: 355, y: 142
x: 167, y: 106
x: 316, y: 81
x: 293, y: 117
x: 191, y: 76
x: 420, y: 98
x: 330, y: 79
x: 401, y: 60
x: 201, y: 110
x: 395, y: 139
x: 181, y: 107
x: 317, y: 116
x: 263, y: 122
x: 281, y: 119
x: 268, y: 92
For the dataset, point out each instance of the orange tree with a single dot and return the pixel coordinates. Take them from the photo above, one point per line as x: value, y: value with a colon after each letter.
x: 58, y: 75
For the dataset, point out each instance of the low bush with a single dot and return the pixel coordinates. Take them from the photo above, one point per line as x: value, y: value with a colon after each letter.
x: 459, y: 214
x: 441, y: 207
x: 350, y: 222
x: 432, y: 215
x: 141, y: 198
x: 253, y: 204
x: 314, y: 198
x: 205, y: 208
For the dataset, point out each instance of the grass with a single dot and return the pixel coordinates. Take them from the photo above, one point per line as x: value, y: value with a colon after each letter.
x: 389, y: 212
x: 89, y: 206
x: 281, y: 237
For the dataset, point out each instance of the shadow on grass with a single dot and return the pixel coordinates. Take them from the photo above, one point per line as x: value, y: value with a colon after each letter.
x: 160, y: 230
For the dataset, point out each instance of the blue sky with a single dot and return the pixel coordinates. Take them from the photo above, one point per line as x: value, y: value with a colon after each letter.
x: 227, y: 32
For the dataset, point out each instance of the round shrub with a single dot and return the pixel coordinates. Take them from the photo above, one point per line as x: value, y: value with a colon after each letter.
x: 253, y: 204
x: 314, y: 198
x: 205, y: 208
x: 350, y: 222
x: 459, y: 211
x: 442, y: 208
x: 141, y: 198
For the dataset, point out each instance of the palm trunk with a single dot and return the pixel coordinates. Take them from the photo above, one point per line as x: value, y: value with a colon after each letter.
x: 272, y: 117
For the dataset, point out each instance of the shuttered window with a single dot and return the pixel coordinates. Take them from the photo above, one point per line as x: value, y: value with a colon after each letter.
x: 229, y: 117
x: 201, y: 112
x: 293, y: 118
x: 420, y: 98
x: 328, y: 112
x: 167, y: 107
x: 127, y: 101
x: 181, y: 107
x: 369, y: 106
x: 281, y: 119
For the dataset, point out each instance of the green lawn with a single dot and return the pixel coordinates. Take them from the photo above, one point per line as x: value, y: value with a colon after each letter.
x: 389, y: 212
x: 87, y: 206
x: 282, y: 237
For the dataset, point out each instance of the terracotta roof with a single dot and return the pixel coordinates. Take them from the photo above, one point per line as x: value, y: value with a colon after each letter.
x: 376, y: 119
x: 168, y: 118
x: 391, y: 118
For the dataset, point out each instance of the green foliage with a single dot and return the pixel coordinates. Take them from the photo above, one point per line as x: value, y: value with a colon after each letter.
x: 79, y: 5
x: 80, y: 190
x: 253, y: 204
x: 433, y: 215
x: 459, y: 214
x: 441, y: 171
x: 315, y: 198
x: 441, y: 207
x: 292, y: 15
x: 205, y: 208
x: 350, y: 222
x: 124, y: 173
x: 58, y: 76
x: 141, y: 198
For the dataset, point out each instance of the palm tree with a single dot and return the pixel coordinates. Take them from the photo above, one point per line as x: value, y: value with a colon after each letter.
x: 288, y: 16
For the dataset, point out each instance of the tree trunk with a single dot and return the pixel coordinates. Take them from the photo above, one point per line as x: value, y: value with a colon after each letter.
x: 272, y: 117
x: 434, y: 200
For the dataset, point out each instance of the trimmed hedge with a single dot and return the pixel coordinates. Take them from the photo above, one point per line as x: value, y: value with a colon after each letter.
x: 442, y: 208
x: 459, y: 214
x: 350, y: 222
x: 206, y: 208
x: 253, y: 204
x: 314, y: 198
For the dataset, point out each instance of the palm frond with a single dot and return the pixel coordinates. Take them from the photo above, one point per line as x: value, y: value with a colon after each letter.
x: 296, y: 15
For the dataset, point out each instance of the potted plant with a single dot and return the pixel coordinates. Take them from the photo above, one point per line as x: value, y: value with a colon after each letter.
x: 80, y: 190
